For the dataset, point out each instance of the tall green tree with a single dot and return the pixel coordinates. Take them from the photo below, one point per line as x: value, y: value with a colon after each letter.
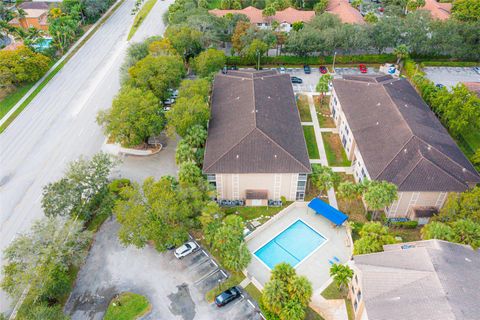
x: 64, y: 31
x: 41, y: 258
x: 135, y: 116
x: 157, y: 211
x: 401, y: 52
x: 286, y: 295
x: 372, y: 238
x: 21, y: 65
x: 157, y: 74
x: 191, y: 88
x: 189, y: 173
x: 226, y: 238
x: 187, y: 113
x: 466, y: 10
x: 323, y: 84
x: 186, y: 41
x: 84, y: 181
x: 342, y: 275
x: 209, y: 62
x: 379, y: 194
x: 465, y: 205
x: 324, y: 178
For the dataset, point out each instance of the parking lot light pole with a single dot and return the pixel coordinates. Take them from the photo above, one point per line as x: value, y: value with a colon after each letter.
x: 334, y: 56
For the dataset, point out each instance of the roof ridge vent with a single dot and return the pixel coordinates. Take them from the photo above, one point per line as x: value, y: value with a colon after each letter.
x: 237, y: 156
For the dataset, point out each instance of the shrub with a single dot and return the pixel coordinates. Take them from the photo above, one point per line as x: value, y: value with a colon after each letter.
x: 405, y: 224
x: 118, y: 184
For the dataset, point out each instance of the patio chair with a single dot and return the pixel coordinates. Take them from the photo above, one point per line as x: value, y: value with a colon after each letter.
x: 336, y: 259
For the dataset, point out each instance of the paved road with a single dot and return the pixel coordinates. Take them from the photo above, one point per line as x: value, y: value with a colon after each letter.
x: 451, y: 76
x: 59, y: 124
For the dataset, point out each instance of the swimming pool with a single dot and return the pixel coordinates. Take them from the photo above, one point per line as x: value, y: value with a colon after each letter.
x: 292, y: 245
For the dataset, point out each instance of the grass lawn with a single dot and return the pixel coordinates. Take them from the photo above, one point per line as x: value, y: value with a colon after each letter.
x: 407, y: 235
x: 311, y: 142
x: 253, y: 292
x: 127, y: 306
x: 323, y: 112
x: 332, y: 292
x: 141, y: 15
x: 353, y: 208
x: 250, y: 213
x: 336, y: 155
x: 303, y: 108
x: 10, y: 100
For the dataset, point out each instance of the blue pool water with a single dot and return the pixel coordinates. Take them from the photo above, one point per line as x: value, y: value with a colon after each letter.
x: 292, y: 245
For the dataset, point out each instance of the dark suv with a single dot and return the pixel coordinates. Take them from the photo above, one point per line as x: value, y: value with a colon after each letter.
x: 307, y: 69
x: 227, y: 296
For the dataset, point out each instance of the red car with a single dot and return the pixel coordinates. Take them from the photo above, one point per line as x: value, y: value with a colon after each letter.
x: 363, y: 68
x: 323, y: 69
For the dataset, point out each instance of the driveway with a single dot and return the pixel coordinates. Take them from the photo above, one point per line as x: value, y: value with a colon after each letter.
x: 450, y: 76
x: 175, y: 288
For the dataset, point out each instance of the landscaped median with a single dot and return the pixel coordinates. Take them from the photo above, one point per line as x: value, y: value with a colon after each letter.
x: 128, y: 306
x: 5, y: 122
x: 312, y: 147
x: 140, y: 17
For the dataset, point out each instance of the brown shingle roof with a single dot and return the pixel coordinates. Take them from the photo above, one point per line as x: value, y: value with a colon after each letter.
x: 289, y: 15
x: 34, y: 5
x: 400, y: 138
x: 255, y: 125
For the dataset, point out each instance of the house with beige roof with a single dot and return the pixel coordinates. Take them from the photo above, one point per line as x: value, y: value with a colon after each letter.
x: 286, y: 18
x: 390, y: 134
x: 421, y: 280
x: 255, y: 149
x: 36, y: 16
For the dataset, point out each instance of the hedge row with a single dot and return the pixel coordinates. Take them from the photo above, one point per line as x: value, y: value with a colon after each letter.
x: 295, y: 60
x: 405, y: 225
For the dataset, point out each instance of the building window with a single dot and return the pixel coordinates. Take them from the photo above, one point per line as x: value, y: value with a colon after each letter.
x: 359, y: 295
x: 300, y: 196
x: 302, y: 177
x: 363, y: 173
x: 211, y: 178
x: 353, y: 290
x: 302, y: 183
x: 333, y: 112
x: 355, y: 305
x: 356, y: 279
x: 344, y: 141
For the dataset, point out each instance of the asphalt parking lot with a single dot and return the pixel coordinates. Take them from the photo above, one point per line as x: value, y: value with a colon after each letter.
x: 450, y: 76
x: 175, y: 288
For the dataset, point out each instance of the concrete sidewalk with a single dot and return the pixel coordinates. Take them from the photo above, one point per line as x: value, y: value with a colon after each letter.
x: 321, y: 148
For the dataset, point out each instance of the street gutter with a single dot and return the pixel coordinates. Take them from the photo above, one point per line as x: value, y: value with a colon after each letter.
x: 35, y: 90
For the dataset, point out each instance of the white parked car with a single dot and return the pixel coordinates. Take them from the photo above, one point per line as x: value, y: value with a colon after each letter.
x: 185, y: 249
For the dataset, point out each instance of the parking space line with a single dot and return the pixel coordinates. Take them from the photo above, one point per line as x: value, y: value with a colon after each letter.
x: 204, y: 252
x: 224, y: 274
x: 216, y: 265
x: 251, y: 304
x: 206, y: 276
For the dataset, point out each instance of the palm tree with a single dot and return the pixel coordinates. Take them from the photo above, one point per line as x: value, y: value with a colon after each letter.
x: 342, y: 275
x: 401, y: 52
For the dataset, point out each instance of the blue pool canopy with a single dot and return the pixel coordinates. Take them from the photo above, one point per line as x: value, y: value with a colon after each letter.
x: 329, y: 212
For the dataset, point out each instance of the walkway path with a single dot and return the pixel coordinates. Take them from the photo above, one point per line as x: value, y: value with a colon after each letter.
x: 321, y: 148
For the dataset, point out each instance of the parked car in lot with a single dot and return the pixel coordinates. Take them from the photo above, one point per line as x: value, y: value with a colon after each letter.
x: 477, y: 69
x: 363, y: 68
x: 227, y: 296
x: 439, y: 85
x: 323, y: 69
x: 307, y: 69
x: 296, y: 80
x: 185, y: 249
x: 282, y: 70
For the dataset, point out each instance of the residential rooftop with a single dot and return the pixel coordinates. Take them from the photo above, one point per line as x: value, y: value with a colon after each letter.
x: 344, y: 10
x: 255, y: 125
x: 289, y: 15
x: 400, y: 138
x: 428, y: 280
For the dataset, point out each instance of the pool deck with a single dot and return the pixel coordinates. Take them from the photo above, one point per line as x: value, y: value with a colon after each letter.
x: 315, y: 266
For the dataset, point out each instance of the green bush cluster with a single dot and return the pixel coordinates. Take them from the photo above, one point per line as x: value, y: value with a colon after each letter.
x: 404, y: 224
x: 296, y: 60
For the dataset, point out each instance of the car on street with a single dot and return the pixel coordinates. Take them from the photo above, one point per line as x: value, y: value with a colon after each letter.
x: 282, y: 70
x: 185, y: 249
x: 296, y: 80
x: 476, y: 69
x: 363, y: 68
x: 227, y: 296
x: 323, y: 69
x: 307, y: 69
x: 439, y: 85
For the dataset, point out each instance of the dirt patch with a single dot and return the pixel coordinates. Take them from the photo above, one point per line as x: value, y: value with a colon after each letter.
x: 324, y: 115
x: 303, y: 108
